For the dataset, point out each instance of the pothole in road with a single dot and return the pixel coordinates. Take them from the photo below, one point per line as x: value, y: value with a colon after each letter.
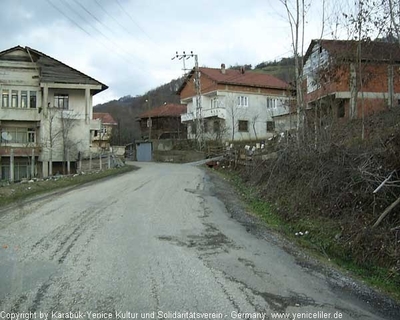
x: 210, y: 240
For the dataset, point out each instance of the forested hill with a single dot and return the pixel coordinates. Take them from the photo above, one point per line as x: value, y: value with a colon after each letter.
x: 126, y: 109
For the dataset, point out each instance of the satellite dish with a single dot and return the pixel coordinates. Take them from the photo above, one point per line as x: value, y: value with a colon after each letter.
x: 6, y: 136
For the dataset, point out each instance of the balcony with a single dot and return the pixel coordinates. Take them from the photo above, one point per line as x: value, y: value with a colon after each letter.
x: 19, y: 114
x: 207, y: 113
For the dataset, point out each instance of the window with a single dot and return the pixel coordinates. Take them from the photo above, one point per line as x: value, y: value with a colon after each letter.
x: 31, y: 135
x: 32, y: 99
x: 205, y: 126
x: 24, y: 99
x: 14, y: 98
x: 20, y: 135
x: 193, y: 129
x: 5, y: 98
x: 271, y: 103
x: 216, y: 126
x: 270, y: 126
x: 21, y: 170
x: 61, y: 101
x: 243, y: 126
x: 214, y: 103
x: 243, y: 101
x: 18, y: 99
x: 341, y: 110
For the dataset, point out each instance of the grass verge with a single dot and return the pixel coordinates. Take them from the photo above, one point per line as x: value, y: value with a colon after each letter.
x: 318, y: 239
x: 22, y: 191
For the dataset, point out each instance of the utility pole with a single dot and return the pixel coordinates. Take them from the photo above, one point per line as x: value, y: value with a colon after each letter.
x: 199, y: 121
x: 149, y: 121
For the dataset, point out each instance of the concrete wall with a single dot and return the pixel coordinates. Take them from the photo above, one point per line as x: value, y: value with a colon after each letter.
x: 178, y: 156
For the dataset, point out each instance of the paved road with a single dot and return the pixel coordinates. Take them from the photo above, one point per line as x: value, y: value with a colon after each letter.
x: 154, y: 240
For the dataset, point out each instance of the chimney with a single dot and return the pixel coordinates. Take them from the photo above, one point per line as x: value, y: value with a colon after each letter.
x: 242, y: 70
x: 223, y: 68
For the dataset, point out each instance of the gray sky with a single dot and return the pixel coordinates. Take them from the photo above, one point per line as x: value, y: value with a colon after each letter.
x: 128, y: 44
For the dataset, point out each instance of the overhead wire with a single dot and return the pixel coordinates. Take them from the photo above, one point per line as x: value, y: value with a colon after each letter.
x: 131, y: 18
x: 91, y: 35
x: 93, y: 27
x: 114, y: 19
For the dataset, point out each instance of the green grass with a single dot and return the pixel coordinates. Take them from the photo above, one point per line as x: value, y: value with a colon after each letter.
x: 320, y: 242
x: 21, y: 191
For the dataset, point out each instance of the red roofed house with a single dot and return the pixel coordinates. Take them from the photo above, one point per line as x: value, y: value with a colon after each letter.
x: 331, y: 71
x: 235, y: 104
x: 163, y: 122
x: 101, y: 138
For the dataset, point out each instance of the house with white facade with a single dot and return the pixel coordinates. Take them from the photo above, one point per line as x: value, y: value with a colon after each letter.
x: 101, y: 139
x: 45, y: 114
x: 234, y: 104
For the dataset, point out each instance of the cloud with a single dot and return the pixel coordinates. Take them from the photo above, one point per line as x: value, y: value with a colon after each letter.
x: 128, y: 44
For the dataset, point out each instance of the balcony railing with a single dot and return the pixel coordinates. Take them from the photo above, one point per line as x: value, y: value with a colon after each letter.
x: 19, y: 114
x: 207, y: 113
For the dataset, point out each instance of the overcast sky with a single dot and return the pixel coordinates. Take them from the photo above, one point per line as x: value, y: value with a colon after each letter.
x: 128, y: 44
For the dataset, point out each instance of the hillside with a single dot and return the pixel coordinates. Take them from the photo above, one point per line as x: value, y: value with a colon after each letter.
x: 126, y: 109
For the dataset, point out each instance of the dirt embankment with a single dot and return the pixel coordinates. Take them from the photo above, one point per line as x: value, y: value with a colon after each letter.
x: 335, y: 188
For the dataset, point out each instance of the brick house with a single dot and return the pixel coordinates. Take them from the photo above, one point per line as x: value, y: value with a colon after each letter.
x: 235, y: 104
x: 45, y: 114
x: 332, y: 77
x: 163, y: 122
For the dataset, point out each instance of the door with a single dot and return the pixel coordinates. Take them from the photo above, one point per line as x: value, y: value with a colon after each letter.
x: 143, y: 151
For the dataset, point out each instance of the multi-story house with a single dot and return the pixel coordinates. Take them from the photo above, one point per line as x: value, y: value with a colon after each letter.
x: 45, y: 114
x: 345, y: 79
x: 101, y: 139
x: 235, y: 104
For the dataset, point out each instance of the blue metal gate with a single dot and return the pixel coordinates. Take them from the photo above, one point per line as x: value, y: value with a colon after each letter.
x: 143, y: 151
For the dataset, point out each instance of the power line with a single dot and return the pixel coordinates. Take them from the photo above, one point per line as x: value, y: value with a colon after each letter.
x: 94, y: 28
x: 112, y: 17
x: 89, y: 34
x: 130, y: 17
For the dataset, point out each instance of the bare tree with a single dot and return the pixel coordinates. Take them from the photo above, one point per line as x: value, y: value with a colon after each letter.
x: 296, y: 14
x: 234, y: 113
x: 53, y: 135
x: 69, y: 121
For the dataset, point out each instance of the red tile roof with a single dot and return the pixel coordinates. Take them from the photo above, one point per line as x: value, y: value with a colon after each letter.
x: 105, y: 118
x: 248, y: 78
x: 166, y: 110
x: 236, y: 77
x: 347, y: 49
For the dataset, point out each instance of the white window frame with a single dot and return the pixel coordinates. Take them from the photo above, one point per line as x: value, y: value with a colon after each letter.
x: 214, y: 103
x: 243, y: 101
x: 18, y: 97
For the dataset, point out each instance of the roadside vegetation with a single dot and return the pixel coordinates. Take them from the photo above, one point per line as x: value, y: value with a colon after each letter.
x: 21, y: 191
x: 329, y: 196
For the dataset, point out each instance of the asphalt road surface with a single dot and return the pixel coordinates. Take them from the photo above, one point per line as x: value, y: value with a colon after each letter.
x: 157, y: 243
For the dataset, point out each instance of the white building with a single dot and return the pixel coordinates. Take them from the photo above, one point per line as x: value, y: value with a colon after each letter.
x: 45, y: 114
x: 235, y: 104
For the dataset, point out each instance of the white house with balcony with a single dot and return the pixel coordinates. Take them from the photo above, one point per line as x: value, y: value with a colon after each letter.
x: 234, y: 104
x: 45, y: 114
